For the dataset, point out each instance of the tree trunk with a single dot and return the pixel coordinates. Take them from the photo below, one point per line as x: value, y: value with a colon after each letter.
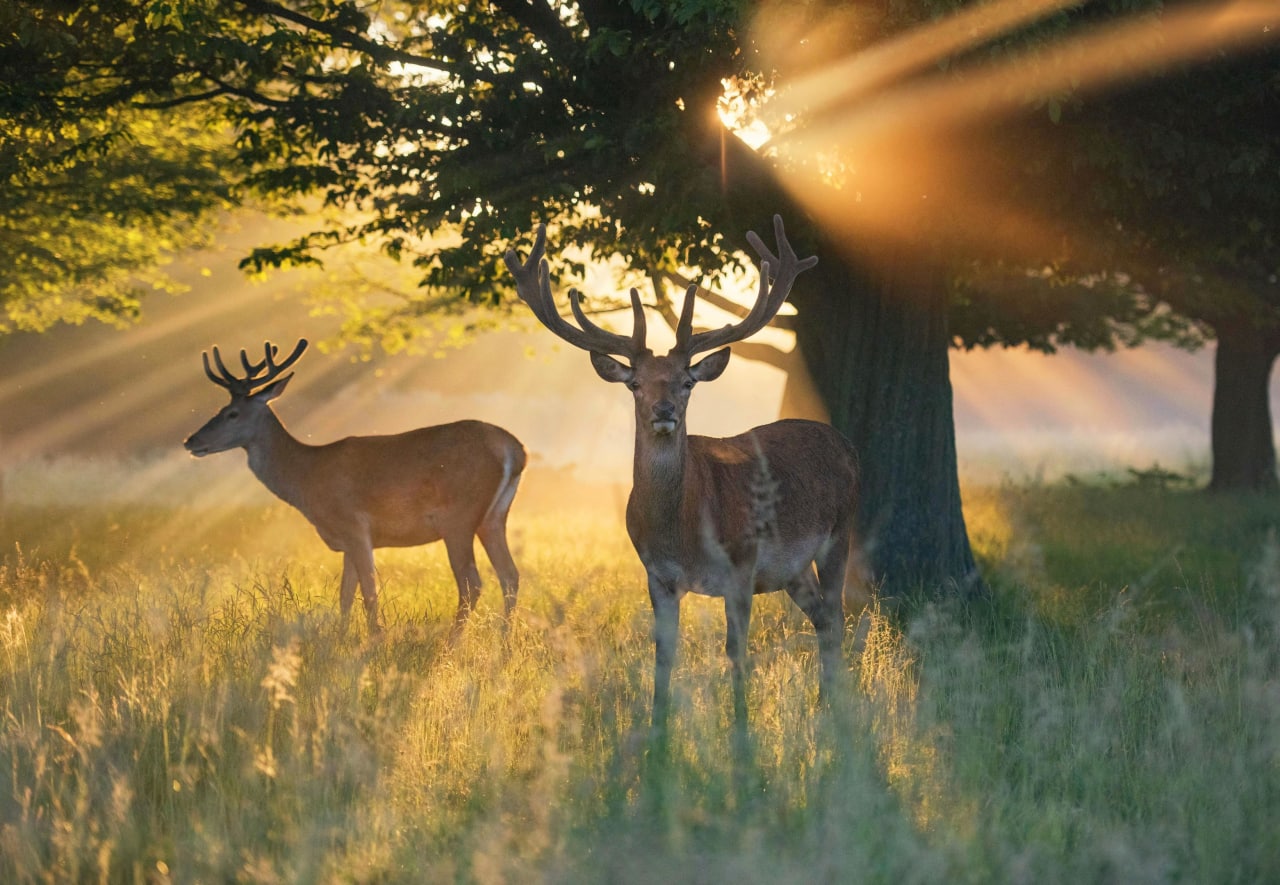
x: 877, y: 348
x: 1242, y: 439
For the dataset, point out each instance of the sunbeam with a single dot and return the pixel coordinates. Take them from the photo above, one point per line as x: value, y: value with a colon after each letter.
x: 126, y: 399
x: 868, y: 70
x: 878, y: 154
x: 1099, y: 57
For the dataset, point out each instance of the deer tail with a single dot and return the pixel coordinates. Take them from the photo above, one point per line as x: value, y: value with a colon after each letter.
x: 513, y: 463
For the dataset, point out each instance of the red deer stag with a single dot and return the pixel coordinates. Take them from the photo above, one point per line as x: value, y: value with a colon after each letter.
x: 730, y: 517
x: 453, y: 482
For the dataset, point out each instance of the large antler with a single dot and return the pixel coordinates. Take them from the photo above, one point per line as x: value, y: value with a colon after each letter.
x: 533, y: 285
x: 772, y: 293
x: 254, y: 376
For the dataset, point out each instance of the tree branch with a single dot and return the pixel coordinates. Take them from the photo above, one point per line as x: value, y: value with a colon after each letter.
x: 783, y: 360
x: 755, y: 351
x: 750, y: 350
x: 249, y: 94
x: 661, y: 302
x: 783, y: 321
x: 379, y: 52
x: 539, y: 18
x: 193, y: 98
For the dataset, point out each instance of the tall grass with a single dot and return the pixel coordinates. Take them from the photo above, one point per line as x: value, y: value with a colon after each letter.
x: 179, y: 705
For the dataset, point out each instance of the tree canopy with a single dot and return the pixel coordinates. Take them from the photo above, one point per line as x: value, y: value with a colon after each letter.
x: 486, y: 119
x: 614, y: 123
x: 98, y: 192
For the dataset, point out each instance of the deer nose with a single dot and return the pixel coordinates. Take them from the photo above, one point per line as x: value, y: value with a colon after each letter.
x: 664, y: 418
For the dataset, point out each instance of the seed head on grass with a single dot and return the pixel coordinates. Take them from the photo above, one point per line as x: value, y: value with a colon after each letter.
x: 282, y: 673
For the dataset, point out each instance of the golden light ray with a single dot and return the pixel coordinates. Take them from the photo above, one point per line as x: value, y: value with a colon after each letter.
x: 1176, y: 377
x: 1102, y: 56
x: 984, y: 392
x: 878, y: 66
x: 1020, y: 413
x: 52, y: 371
x: 908, y: 163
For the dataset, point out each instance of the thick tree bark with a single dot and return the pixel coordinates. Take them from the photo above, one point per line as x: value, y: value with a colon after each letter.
x: 1242, y: 439
x: 877, y: 348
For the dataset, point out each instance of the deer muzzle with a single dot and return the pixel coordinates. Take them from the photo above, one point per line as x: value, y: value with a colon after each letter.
x: 664, y: 418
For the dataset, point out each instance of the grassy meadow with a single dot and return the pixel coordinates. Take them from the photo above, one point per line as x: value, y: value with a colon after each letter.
x: 177, y: 704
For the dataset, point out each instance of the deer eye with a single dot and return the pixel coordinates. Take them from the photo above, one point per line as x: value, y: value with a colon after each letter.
x: 233, y: 414
x: 688, y: 384
x: 633, y: 385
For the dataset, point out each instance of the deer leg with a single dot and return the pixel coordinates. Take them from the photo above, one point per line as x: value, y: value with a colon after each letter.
x: 737, y: 614
x: 462, y: 559
x: 347, y: 594
x: 666, y: 633
x: 823, y: 601
x: 833, y: 565
x: 362, y: 561
x: 493, y: 537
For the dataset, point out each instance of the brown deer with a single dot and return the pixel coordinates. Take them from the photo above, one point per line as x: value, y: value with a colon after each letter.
x: 729, y: 517
x: 453, y: 482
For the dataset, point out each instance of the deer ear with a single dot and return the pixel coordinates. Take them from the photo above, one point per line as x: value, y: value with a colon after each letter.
x: 610, y: 369
x: 710, y: 368
x: 272, y: 390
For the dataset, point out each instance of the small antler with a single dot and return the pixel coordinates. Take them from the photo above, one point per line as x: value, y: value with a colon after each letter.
x: 533, y: 285
x: 254, y: 376
x: 769, y: 300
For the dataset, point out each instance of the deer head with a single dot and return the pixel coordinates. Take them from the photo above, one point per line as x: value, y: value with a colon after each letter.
x: 241, y: 420
x: 661, y: 385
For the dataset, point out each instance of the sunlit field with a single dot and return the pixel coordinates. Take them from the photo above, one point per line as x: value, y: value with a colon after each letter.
x: 178, y: 704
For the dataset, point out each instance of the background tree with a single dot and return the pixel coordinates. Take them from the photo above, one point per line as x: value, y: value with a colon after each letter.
x: 1185, y: 177
x: 97, y: 191
x: 1161, y: 199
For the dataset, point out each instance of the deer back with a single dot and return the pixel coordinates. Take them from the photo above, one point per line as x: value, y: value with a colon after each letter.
x: 407, y: 488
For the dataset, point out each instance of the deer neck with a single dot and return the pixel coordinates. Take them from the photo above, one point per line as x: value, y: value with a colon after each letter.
x: 275, y: 459
x: 659, y: 483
